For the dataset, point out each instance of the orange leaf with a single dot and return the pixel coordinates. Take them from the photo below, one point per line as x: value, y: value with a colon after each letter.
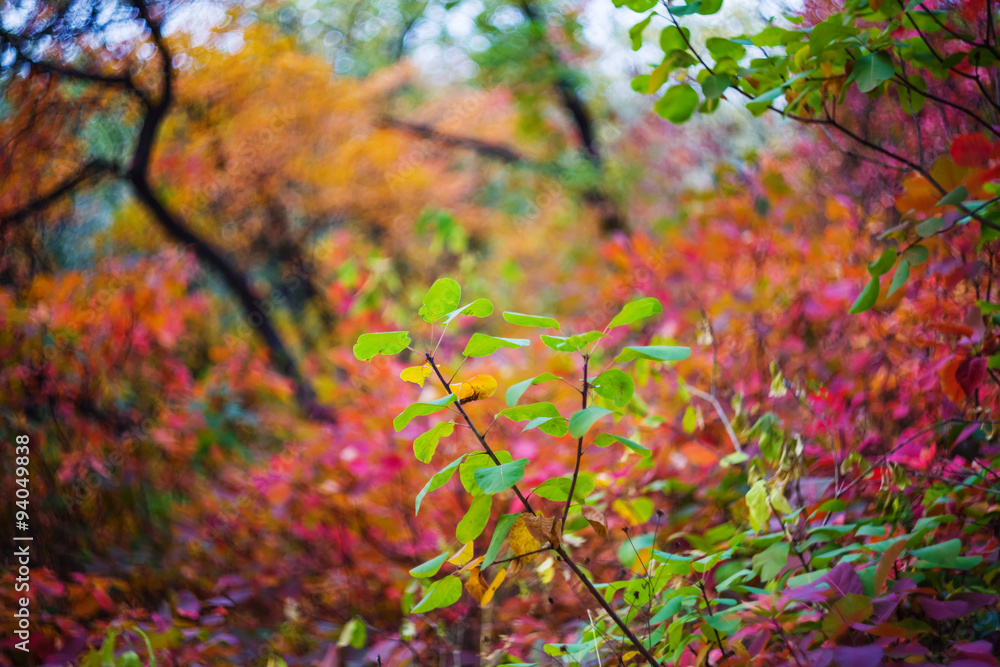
x: 949, y: 383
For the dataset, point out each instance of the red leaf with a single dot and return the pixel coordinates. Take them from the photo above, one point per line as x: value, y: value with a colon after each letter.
x: 971, y: 150
x: 970, y: 374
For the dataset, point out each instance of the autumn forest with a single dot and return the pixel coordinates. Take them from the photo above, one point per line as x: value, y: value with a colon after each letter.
x: 453, y: 333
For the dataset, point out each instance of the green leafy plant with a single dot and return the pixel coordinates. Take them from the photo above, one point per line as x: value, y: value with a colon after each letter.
x: 493, y: 471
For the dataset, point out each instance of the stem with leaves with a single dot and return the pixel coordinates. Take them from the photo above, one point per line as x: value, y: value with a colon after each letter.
x: 559, y: 549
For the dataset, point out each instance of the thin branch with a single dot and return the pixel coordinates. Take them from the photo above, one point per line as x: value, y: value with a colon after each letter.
x: 579, y: 445
x: 92, y: 170
x: 719, y: 411
x: 486, y: 149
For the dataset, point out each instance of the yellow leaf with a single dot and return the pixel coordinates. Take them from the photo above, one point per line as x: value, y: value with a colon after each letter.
x: 463, y: 556
x: 473, y: 564
x: 476, y: 585
x: 497, y: 580
x: 478, y: 588
x: 416, y: 374
x: 778, y: 498
x: 475, y: 388
x: 522, y: 541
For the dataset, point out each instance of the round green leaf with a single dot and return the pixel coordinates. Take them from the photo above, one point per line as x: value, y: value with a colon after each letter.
x: 581, y: 420
x: 442, y: 593
x: 500, y: 477
x: 557, y: 488
x: 389, y: 342
x: 442, y: 298
x: 614, y: 385
x: 677, y: 104
x: 872, y: 70
x: 478, y: 461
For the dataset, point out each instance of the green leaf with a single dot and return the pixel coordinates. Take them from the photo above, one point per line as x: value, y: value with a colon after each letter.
x: 478, y: 461
x: 673, y: 563
x: 635, y: 32
x: 431, y: 567
x: 614, y: 385
x: 523, y: 320
x: 415, y: 410
x: 916, y: 255
x: 710, y: 7
x: 721, y: 48
x: 581, y: 420
x: 911, y: 100
x: 677, y: 104
x: 956, y: 196
x: 516, y: 391
x: 571, y: 343
x: 551, y: 422
x: 128, y: 659
x: 830, y: 30
x: 899, y: 278
x: 690, y: 421
x: 500, y: 478
x: 442, y: 593
x: 653, y: 353
x: 390, y: 342
x: 760, y: 511
x: 771, y: 561
x: 930, y: 227
x: 635, y: 311
x: 442, y: 298
x: 882, y: 265
x: 475, y: 520
x: 557, y: 488
x: 867, y: 298
x: 872, y: 70
x: 499, y: 534
x: 481, y: 345
x: 692, y: 7
x: 478, y: 308
x: 439, y: 479
x: 715, y: 85
x: 426, y: 444
x: 353, y: 634
x: 759, y: 104
x: 605, y: 439
x: 673, y: 38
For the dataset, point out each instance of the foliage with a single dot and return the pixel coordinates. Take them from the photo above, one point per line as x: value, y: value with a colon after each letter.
x: 757, y: 419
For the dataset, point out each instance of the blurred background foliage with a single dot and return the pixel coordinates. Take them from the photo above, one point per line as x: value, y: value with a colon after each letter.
x: 204, y: 203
